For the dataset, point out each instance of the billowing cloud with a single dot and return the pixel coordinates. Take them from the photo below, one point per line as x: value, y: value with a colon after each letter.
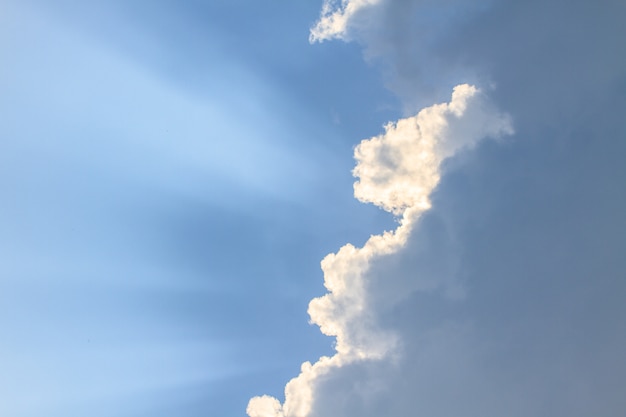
x: 397, y: 171
x: 500, y: 291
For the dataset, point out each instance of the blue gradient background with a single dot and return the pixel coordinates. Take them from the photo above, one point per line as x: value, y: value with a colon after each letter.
x: 170, y: 177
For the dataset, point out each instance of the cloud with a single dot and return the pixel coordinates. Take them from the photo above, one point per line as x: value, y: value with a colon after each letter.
x: 404, y: 39
x: 397, y: 171
x: 336, y: 18
x: 500, y: 291
x: 533, y: 233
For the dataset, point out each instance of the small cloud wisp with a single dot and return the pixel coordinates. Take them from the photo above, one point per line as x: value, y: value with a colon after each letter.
x: 335, y: 18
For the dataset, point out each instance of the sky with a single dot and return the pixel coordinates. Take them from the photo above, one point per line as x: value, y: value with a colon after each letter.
x: 312, y: 208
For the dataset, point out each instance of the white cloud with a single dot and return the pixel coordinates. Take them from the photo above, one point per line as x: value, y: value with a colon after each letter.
x: 397, y: 171
x: 539, y: 331
x: 264, y: 406
x: 336, y: 18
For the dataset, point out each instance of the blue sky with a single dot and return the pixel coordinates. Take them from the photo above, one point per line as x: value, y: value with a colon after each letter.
x: 173, y: 173
x: 167, y: 197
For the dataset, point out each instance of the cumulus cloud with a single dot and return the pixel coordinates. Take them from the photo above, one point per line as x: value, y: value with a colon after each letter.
x: 534, y: 231
x: 397, y: 171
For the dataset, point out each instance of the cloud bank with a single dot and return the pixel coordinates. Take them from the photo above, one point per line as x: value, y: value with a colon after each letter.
x: 397, y: 171
x: 501, y: 291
